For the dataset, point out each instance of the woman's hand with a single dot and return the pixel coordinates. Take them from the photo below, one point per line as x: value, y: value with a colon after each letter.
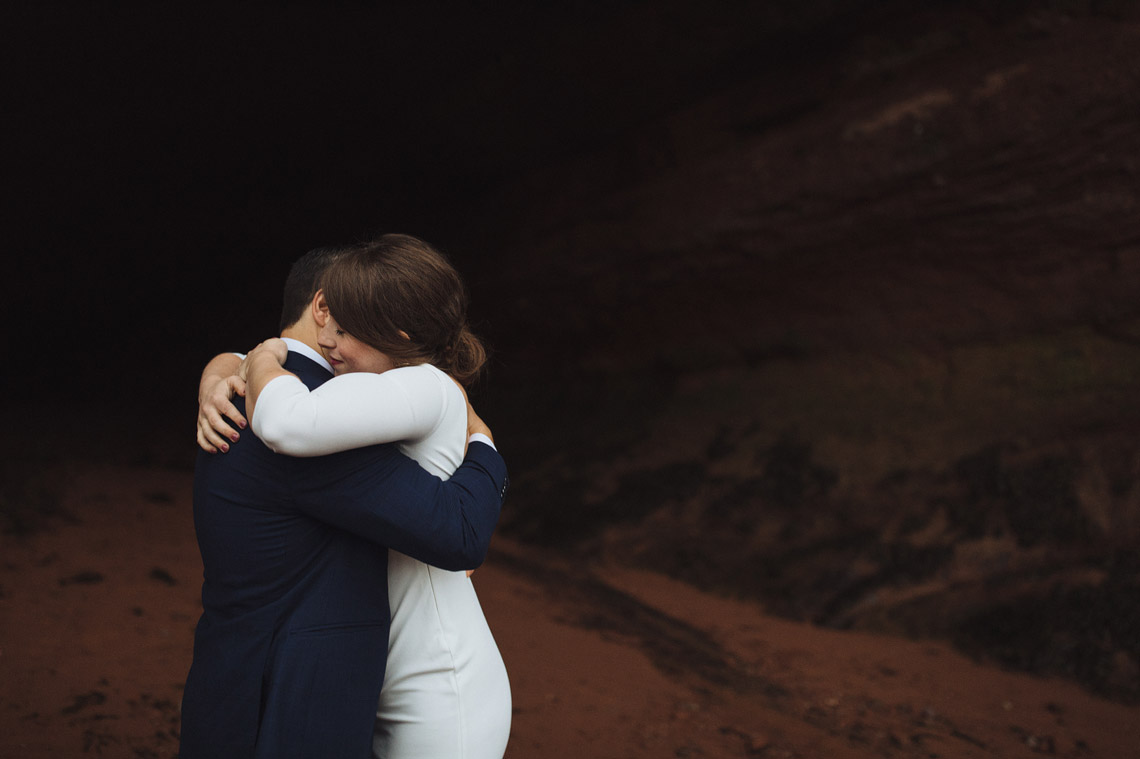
x: 214, y: 393
x: 474, y: 422
x: 214, y: 407
x: 274, y: 346
x: 224, y: 377
x: 264, y: 363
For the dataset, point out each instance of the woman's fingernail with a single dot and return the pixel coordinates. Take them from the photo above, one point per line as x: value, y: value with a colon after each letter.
x: 225, y: 448
x: 234, y: 437
x: 242, y: 424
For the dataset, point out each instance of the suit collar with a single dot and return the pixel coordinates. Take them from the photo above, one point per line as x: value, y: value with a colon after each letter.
x: 307, y: 370
x: 296, y: 346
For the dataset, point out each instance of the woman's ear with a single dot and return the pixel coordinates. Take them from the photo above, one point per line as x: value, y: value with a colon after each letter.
x: 404, y: 335
x: 320, y: 309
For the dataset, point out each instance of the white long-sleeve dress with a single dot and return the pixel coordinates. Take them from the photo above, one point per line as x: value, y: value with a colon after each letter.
x: 446, y: 692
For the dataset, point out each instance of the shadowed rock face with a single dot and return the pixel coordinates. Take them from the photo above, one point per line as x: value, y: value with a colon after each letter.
x: 859, y: 338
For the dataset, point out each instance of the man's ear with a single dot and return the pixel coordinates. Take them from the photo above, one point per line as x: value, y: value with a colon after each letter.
x: 320, y: 309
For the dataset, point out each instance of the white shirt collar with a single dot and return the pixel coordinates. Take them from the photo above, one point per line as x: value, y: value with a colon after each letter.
x: 299, y: 347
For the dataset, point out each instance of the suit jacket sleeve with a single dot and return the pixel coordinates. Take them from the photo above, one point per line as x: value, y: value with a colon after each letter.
x: 384, y: 496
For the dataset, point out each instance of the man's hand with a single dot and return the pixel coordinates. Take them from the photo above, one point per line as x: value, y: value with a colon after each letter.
x: 475, y: 424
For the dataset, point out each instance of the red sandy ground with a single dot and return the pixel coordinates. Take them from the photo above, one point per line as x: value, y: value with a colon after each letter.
x: 97, y: 618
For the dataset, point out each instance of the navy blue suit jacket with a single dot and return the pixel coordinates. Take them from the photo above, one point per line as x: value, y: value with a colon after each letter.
x: 290, y: 650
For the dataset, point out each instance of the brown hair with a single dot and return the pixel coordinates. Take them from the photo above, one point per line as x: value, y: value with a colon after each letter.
x: 399, y: 283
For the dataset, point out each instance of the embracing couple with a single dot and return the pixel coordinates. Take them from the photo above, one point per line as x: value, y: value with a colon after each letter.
x: 338, y: 617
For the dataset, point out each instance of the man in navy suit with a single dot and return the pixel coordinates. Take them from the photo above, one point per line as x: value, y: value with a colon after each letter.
x: 290, y: 650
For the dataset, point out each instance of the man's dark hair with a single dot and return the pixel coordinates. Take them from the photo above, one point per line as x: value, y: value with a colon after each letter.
x: 303, y: 282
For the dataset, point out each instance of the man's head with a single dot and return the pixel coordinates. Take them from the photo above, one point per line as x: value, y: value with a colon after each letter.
x: 303, y: 282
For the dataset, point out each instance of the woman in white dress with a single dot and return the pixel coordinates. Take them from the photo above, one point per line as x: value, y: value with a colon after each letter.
x: 395, y: 337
